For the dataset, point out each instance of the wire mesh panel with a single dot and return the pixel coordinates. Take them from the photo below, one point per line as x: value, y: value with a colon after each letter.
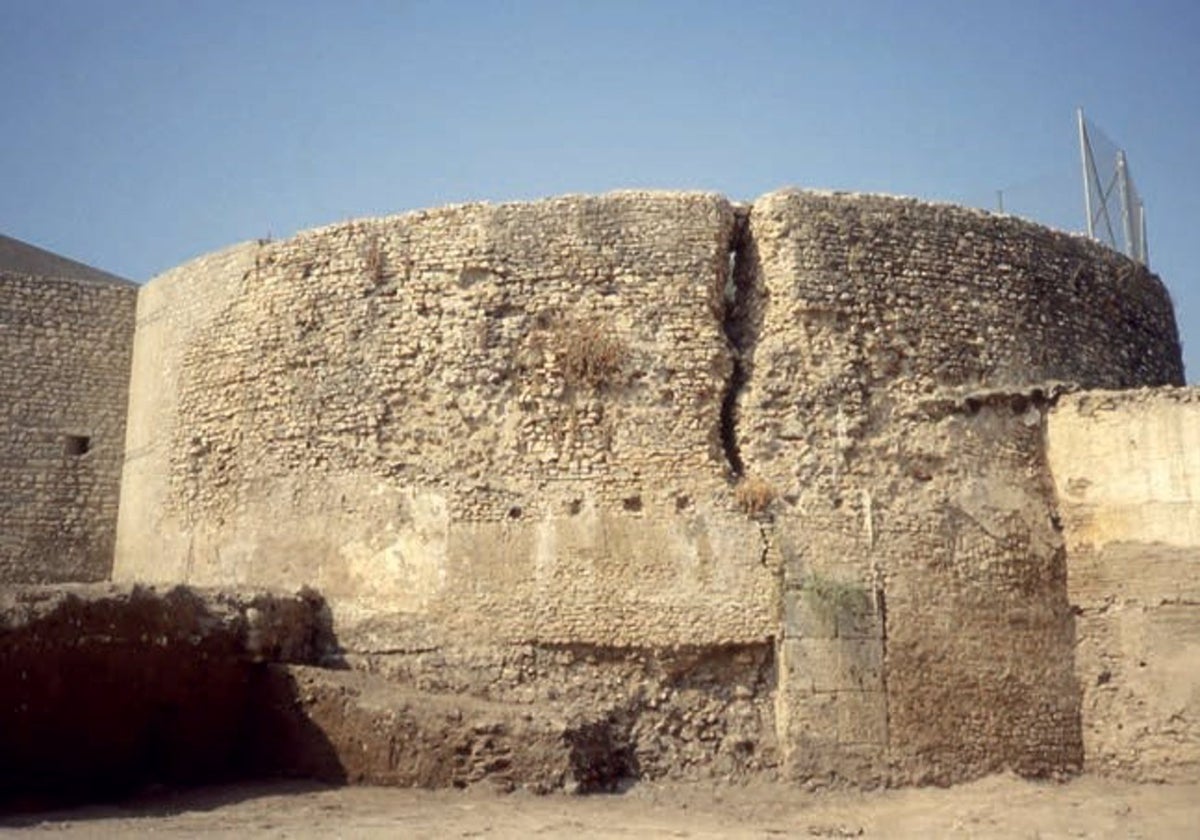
x: 1115, y: 212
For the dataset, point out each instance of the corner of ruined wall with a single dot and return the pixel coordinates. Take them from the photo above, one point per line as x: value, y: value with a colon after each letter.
x: 64, y: 373
x: 1128, y: 482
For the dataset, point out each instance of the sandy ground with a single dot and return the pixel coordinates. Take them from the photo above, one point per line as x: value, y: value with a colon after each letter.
x: 1001, y: 806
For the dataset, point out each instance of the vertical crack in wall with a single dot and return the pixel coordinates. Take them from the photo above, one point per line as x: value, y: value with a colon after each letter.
x: 881, y: 610
x: 738, y: 322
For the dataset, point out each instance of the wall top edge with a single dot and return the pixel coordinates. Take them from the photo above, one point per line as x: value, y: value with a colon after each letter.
x: 1090, y: 402
x: 19, y: 257
x: 61, y: 279
x: 765, y: 203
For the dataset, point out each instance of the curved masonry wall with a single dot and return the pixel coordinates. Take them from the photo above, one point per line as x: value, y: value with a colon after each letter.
x: 510, y: 412
x: 64, y: 376
x: 508, y: 443
x: 900, y: 356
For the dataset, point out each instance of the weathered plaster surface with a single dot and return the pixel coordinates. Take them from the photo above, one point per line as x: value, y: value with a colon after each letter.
x: 1127, y: 469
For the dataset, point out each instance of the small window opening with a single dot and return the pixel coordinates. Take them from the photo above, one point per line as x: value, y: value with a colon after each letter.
x: 76, y: 445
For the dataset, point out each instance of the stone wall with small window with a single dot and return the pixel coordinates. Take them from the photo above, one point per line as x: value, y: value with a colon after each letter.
x: 64, y: 381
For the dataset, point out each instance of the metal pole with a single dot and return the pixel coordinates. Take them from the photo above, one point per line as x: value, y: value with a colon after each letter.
x: 1084, y: 155
x: 1000, y: 200
x: 1144, y: 243
x: 1126, y: 205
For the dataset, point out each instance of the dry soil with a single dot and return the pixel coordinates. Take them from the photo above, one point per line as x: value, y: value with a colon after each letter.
x: 1000, y: 806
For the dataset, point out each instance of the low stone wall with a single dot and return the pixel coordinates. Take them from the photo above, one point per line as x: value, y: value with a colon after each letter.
x: 190, y: 686
x: 64, y: 376
x: 106, y: 689
x: 1127, y: 469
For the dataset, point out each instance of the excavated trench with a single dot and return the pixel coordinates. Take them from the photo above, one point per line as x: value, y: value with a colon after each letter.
x: 106, y: 690
x: 109, y: 690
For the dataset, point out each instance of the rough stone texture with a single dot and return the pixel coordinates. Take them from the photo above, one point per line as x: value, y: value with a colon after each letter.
x: 1127, y: 469
x: 891, y: 351
x: 64, y: 374
x: 554, y: 456
x: 109, y: 688
x: 345, y: 726
x: 510, y: 411
x: 685, y: 712
x: 572, y: 719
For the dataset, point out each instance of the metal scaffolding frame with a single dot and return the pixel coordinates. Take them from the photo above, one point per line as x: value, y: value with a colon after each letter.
x: 1108, y: 185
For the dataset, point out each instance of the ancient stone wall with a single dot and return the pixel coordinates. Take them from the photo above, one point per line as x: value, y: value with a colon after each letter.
x: 894, y: 353
x: 508, y: 412
x: 171, y: 312
x: 1127, y: 469
x: 64, y: 375
x: 554, y: 451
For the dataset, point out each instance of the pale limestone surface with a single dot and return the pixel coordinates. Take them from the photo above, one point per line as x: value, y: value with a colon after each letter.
x: 1127, y: 469
x: 401, y: 413
x: 897, y: 356
x: 800, y: 517
x: 170, y: 311
x: 491, y: 433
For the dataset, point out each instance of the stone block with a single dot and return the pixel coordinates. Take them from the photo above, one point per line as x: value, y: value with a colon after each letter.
x: 834, y: 664
x: 802, y: 619
x: 812, y: 664
x: 862, y: 717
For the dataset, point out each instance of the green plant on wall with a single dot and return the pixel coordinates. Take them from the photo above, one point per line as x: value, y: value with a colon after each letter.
x: 836, y: 598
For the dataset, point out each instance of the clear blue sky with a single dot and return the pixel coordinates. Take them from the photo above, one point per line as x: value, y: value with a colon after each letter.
x: 135, y: 134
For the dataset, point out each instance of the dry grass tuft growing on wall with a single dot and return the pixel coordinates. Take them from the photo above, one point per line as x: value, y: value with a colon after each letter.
x: 374, y: 260
x: 589, y: 354
x: 754, y: 494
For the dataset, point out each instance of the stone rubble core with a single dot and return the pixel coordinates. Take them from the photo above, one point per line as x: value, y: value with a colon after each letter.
x: 668, y: 485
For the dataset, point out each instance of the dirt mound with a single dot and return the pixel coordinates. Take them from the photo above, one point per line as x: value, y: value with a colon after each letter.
x: 106, y: 689
x: 347, y: 726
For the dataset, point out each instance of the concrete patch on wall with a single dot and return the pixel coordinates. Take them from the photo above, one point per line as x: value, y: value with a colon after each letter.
x: 1127, y: 469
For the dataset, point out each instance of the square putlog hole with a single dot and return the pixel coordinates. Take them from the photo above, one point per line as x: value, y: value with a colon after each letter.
x: 76, y: 445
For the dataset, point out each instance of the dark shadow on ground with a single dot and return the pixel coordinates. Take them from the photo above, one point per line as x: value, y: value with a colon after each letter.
x: 107, y: 692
